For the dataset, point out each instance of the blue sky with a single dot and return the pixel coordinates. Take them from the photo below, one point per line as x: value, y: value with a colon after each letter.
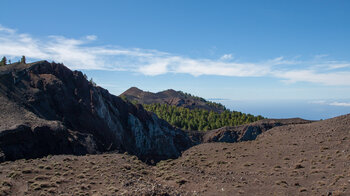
x: 237, y: 50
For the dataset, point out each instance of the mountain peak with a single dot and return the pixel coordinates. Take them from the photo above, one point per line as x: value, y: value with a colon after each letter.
x: 134, y: 90
x: 171, y: 97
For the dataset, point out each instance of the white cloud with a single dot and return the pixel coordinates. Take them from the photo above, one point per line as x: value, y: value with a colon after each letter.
x: 226, y: 57
x: 81, y: 54
x: 338, y: 65
x: 155, y: 68
x: 8, y: 30
x: 346, y: 104
x: 91, y: 37
x: 332, y: 78
x: 320, y: 56
x: 331, y: 103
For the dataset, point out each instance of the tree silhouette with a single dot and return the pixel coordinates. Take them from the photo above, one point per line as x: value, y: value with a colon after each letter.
x: 3, y: 61
x: 23, y: 60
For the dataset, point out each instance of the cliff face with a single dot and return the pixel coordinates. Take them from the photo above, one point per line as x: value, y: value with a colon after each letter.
x: 48, y: 109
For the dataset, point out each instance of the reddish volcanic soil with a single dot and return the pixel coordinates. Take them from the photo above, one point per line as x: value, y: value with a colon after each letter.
x: 304, y: 159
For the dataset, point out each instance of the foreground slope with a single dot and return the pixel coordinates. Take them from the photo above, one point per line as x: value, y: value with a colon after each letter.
x: 303, y: 159
x: 296, y: 159
x: 48, y: 109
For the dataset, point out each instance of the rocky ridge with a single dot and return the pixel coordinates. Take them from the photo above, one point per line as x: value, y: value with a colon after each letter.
x: 170, y: 97
x: 48, y: 109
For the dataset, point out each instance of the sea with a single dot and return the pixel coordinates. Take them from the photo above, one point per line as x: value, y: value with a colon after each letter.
x: 306, y: 109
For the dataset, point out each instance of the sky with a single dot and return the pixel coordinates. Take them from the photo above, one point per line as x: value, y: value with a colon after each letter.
x: 232, y: 50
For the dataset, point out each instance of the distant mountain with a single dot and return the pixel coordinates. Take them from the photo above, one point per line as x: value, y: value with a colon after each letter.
x: 171, y: 97
x: 45, y: 108
x: 186, y: 111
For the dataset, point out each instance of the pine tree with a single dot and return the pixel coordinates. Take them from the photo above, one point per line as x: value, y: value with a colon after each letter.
x: 23, y: 60
x: 3, y: 61
x: 92, y: 82
x: 199, y: 119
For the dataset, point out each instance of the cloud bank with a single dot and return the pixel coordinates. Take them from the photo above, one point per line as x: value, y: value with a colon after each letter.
x: 346, y: 104
x: 80, y: 53
x: 332, y: 103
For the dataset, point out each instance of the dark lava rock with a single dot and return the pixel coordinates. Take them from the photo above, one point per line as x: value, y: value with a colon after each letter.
x: 45, y: 108
x: 247, y: 132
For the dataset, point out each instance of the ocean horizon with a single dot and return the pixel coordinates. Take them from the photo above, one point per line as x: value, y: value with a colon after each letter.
x: 306, y: 109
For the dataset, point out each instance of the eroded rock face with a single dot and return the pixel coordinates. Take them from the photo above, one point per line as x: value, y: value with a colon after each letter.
x: 23, y: 141
x: 247, y: 132
x: 56, y: 109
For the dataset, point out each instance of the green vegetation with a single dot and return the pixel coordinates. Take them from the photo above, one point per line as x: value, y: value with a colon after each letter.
x: 123, y: 97
x: 199, y: 119
x: 92, y: 82
x: 3, y: 61
x: 23, y: 60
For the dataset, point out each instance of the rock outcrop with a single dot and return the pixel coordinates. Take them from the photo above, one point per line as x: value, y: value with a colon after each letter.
x: 48, y: 109
x: 247, y: 132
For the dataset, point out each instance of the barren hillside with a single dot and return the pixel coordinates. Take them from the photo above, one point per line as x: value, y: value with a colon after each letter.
x: 303, y: 159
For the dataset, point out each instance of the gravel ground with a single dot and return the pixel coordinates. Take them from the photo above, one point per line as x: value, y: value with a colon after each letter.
x: 306, y: 159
